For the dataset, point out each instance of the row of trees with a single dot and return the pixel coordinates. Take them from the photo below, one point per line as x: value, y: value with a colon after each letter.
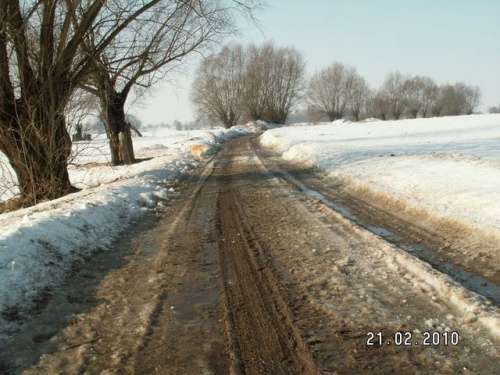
x: 338, y: 91
x: 253, y: 83
x: 262, y: 83
x: 421, y: 97
x: 51, y: 49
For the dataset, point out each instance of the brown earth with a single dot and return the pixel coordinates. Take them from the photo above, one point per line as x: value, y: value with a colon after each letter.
x: 246, y: 274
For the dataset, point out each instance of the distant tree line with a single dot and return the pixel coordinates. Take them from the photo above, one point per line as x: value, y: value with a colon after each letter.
x: 263, y: 83
x: 416, y: 96
x: 494, y: 109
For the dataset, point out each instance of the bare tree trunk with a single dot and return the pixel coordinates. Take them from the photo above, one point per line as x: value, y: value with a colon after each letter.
x: 356, y: 115
x: 281, y: 117
x: 413, y: 113
x: 40, y: 166
x: 118, y: 130
x: 33, y: 133
x: 333, y: 116
x: 127, y: 145
x: 114, y: 146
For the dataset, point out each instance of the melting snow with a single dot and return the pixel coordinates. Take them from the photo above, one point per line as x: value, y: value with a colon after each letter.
x: 41, y: 244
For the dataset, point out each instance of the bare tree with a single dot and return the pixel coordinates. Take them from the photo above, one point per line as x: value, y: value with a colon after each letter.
x: 43, y: 58
x: 379, y: 106
x: 134, y: 122
x: 494, y: 109
x: 413, y: 91
x: 457, y: 99
x: 219, y: 86
x: 152, y: 48
x: 40, y: 66
x: 472, y: 97
x: 361, y: 94
x: 274, y: 82
x: 314, y: 115
x: 444, y: 100
x: 331, y: 90
x: 393, y: 94
x: 430, y: 92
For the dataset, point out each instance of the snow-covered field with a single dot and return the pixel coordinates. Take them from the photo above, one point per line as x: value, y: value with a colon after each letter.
x: 41, y: 244
x: 449, y: 167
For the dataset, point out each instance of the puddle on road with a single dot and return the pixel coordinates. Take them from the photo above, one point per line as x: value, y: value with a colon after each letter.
x: 469, y: 280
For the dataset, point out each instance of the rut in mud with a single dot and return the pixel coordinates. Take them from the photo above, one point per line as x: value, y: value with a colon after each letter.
x: 261, y: 324
x: 251, y: 276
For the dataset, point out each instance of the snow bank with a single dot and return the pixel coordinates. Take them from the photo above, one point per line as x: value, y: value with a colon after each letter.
x: 260, y: 125
x: 41, y: 244
x: 448, y: 166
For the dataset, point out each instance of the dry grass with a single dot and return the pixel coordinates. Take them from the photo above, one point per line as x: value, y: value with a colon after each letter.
x: 14, y: 204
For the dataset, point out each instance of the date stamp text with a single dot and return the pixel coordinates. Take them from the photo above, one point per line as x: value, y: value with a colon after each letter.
x: 407, y: 338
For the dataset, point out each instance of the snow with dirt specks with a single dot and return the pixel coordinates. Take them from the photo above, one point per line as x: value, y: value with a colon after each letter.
x: 40, y: 245
x: 448, y: 166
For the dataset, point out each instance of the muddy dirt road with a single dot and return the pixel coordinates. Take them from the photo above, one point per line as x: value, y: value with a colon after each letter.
x: 253, y: 270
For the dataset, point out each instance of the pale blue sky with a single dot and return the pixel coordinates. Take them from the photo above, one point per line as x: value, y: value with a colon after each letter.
x: 447, y: 40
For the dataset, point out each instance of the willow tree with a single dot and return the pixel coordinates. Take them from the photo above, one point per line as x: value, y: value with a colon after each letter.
x: 41, y: 64
x: 44, y: 57
x: 274, y: 81
x: 155, y: 45
x: 332, y: 90
x: 361, y: 95
x: 219, y: 86
x: 394, y: 91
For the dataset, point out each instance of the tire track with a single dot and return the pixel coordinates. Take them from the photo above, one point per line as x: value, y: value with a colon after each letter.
x: 264, y: 336
x: 185, y: 333
x: 351, y: 282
